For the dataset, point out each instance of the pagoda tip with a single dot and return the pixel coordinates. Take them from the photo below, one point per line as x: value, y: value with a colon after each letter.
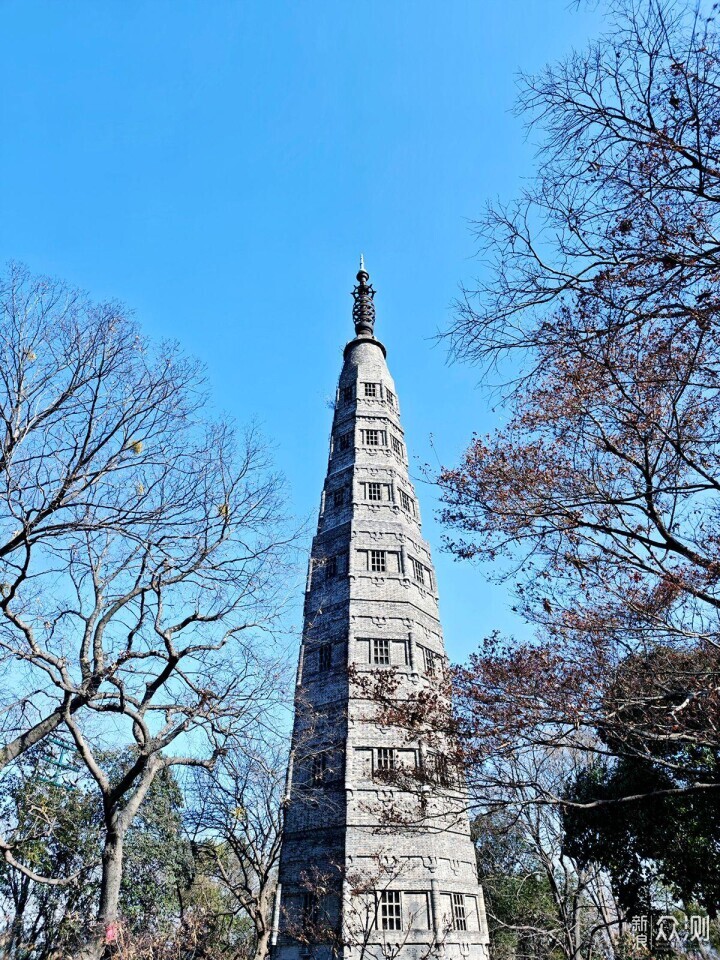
x: 363, y: 307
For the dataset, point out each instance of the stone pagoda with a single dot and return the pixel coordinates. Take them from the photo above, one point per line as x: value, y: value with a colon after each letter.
x: 376, y: 860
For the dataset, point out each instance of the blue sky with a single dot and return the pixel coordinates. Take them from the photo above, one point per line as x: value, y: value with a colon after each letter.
x: 219, y: 165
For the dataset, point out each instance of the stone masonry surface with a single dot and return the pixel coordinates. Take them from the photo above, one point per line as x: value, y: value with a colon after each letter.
x: 373, y: 866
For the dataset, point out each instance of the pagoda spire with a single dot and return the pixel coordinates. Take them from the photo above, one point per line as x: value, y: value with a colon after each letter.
x: 363, y: 312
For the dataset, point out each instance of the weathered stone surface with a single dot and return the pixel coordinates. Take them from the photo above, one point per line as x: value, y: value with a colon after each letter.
x: 371, y: 605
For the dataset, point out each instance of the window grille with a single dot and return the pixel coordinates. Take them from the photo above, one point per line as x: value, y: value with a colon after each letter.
x: 310, y: 909
x: 347, y: 394
x: 374, y: 491
x: 430, y: 660
x: 458, y: 912
x: 405, y: 501
x: 418, y: 570
x: 339, y: 497
x: 319, y: 769
x: 331, y: 568
x: 381, y: 651
x: 386, y: 758
x: 371, y: 389
x: 440, y: 769
x: 390, y: 910
x: 372, y: 438
x: 344, y: 442
x: 325, y: 656
x: 378, y: 561
x: 397, y: 446
x: 390, y: 397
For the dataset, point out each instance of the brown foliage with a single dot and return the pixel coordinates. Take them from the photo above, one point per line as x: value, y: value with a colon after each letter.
x: 603, y: 487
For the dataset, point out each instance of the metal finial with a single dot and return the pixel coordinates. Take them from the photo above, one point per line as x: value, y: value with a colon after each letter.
x: 363, y: 308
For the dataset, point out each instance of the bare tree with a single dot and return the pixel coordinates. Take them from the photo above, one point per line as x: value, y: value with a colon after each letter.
x: 598, y: 311
x: 98, y: 436
x: 537, y: 895
x: 235, y: 819
x: 143, y: 554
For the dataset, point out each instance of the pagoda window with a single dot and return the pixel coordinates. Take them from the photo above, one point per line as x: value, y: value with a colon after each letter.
x: 418, y: 570
x: 390, y: 910
x: 318, y: 771
x: 325, y: 656
x: 386, y: 758
x: 438, y: 767
x: 458, y: 912
x: 374, y: 490
x: 310, y: 912
x: 429, y: 661
x: 381, y: 652
x: 374, y: 438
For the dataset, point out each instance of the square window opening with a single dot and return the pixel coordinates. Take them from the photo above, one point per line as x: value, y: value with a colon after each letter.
x: 439, y: 769
x: 310, y: 909
x: 381, y: 652
x: 325, y: 656
x: 430, y: 661
x: 458, y: 911
x: 390, y: 910
x: 374, y: 490
x: 319, y: 769
x: 386, y: 758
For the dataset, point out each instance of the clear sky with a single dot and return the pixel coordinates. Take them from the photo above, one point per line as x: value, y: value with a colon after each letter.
x: 219, y: 165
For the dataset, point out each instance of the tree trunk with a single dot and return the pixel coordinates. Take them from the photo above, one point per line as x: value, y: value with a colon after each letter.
x: 261, y: 950
x: 15, y: 934
x: 264, y: 922
x: 105, y: 930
